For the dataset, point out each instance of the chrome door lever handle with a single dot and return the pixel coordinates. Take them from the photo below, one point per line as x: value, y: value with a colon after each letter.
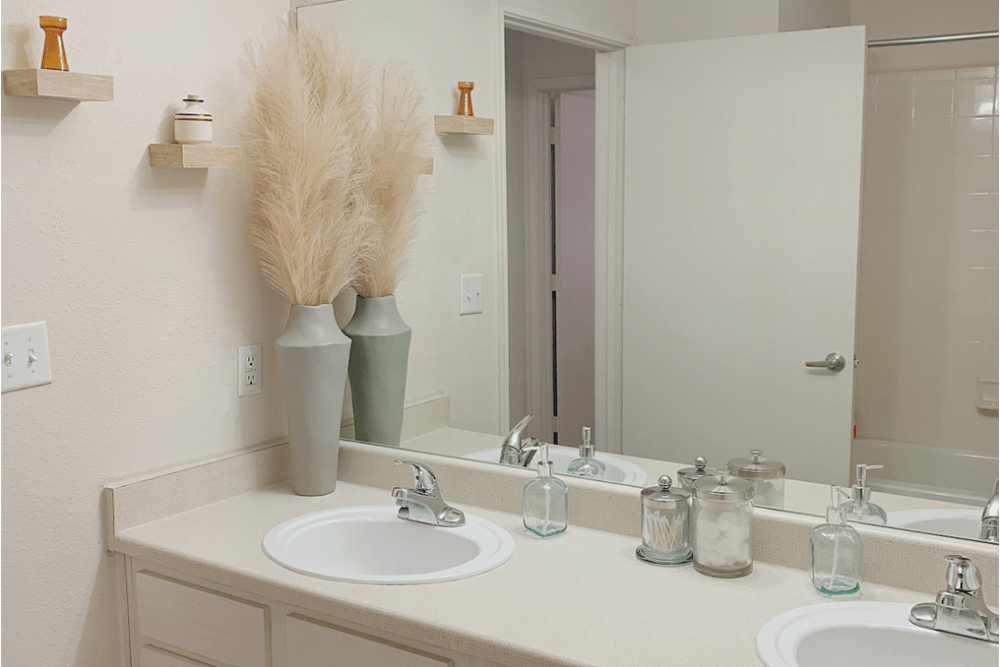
x: 834, y: 362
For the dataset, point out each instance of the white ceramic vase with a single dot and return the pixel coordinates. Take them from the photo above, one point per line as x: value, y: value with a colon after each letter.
x: 192, y: 124
x: 313, y: 355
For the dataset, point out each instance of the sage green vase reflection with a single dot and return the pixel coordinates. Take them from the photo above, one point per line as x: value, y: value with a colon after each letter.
x: 380, y: 350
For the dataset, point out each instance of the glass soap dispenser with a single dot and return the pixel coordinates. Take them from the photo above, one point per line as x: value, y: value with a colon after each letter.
x: 860, y: 508
x: 666, y: 525
x: 837, y: 556
x: 546, y: 499
x: 587, y: 464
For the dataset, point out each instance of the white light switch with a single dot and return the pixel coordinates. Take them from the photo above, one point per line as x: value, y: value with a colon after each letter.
x: 25, y: 356
x: 248, y: 375
x: 472, y: 294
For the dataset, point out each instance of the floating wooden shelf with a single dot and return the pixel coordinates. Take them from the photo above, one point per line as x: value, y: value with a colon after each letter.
x: 194, y: 156
x: 55, y: 83
x: 463, y: 125
x: 427, y: 166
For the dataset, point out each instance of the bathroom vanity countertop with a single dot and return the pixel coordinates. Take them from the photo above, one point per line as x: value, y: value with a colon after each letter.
x: 800, y: 496
x: 581, y: 598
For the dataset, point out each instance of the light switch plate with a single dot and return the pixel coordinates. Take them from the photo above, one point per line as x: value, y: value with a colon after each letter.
x: 25, y: 361
x: 248, y: 374
x: 472, y: 294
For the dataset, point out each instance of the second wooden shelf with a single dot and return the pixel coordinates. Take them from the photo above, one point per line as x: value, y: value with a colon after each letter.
x: 463, y: 125
x: 194, y: 156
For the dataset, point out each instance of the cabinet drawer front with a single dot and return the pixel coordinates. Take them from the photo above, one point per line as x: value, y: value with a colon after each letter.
x: 150, y: 656
x: 312, y: 644
x: 230, y: 631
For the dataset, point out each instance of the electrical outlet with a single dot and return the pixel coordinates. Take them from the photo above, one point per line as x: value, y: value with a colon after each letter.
x: 248, y: 375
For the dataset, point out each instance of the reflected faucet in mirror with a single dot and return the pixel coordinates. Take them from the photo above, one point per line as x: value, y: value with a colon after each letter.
x: 990, y: 520
x: 517, y: 452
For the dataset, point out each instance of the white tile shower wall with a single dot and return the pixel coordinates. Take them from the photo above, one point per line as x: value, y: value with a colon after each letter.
x: 927, y: 302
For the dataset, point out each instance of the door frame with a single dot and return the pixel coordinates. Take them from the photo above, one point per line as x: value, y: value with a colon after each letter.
x: 538, y: 241
x: 609, y: 208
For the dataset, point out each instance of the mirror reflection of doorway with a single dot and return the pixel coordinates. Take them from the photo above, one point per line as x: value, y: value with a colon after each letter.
x: 551, y: 132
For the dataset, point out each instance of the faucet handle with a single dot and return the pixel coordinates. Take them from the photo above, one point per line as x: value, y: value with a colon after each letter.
x: 423, y: 477
x: 963, y: 575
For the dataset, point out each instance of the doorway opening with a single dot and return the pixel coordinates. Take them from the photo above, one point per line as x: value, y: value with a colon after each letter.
x: 551, y: 116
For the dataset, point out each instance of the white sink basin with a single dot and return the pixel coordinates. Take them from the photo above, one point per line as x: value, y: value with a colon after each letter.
x: 371, y: 545
x: 618, y: 470
x: 955, y: 522
x: 864, y: 634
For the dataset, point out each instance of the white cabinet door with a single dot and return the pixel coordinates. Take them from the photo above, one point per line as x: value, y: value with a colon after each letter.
x: 314, y: 644
x: 208, y: 624
x: 742, y: 198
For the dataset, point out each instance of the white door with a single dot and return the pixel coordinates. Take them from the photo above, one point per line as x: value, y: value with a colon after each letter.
x: 742, y: 198
x: 573, y: 272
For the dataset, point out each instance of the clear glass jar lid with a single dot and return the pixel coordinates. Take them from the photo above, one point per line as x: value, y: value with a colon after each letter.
x: 757, y: 467
x: 722, y: 487
x: 687, y: 476
x: 663, y: 496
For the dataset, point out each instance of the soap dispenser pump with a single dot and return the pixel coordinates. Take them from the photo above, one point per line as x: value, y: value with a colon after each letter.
x: 587, y: 465
x: 859, y: 508
x: 837, y: 555
x: 546, y: 500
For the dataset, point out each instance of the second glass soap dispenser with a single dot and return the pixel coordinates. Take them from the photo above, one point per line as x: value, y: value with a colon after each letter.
x: 587, y: 465
x: 837, y: 556
x: 546, y: 499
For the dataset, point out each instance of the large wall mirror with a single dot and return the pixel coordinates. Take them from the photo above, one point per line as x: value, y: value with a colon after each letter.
x: 776, y: 247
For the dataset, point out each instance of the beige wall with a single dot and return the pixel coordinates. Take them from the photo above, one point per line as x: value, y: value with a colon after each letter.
x: 147, y: 288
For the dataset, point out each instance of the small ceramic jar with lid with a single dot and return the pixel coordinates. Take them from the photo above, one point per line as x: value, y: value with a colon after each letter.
x: 766, y: 475
x: 688, y: 476
x: 722, y: 526
x: 192, y: 124
x: 666, y: 525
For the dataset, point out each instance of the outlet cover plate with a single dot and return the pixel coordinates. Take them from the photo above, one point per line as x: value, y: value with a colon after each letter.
x: 248, y: 372
x: 19, y: 371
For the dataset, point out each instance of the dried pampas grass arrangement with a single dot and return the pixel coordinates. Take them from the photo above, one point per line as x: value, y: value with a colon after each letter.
x: 398, y: 142
x: 334, y: 171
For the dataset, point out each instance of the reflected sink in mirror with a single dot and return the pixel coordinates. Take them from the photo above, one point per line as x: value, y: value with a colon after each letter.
x: 951, y: 522
x: 618, y: 470
x: 372, y: 545
x: 864, y: 634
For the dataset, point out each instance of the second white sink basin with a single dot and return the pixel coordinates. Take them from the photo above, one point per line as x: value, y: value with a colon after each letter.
x: 864, y: 634
x: 618, y: 470
x: 371, y: 545
x: 955, y: 522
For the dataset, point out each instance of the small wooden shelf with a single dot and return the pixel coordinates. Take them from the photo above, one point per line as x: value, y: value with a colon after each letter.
x: 194, y: 156
x: 55, y: 83
x: 463, y: 125
x: 426, y: 166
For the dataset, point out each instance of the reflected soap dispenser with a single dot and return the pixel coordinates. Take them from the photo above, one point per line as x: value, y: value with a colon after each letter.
x: 587, y: 464
x: 546, y: 499
x: 837, y: 555
x: 859, y: 508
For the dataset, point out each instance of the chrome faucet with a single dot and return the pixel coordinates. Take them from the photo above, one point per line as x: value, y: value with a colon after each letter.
x: 959, y: 609
x: 424, y: 502
x: 988, y: 531
x: 517, y: 452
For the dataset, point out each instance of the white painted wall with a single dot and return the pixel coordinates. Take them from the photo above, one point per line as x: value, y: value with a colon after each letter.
x: 660, y: 21
x: 145, y: 282
x: 927, y: 296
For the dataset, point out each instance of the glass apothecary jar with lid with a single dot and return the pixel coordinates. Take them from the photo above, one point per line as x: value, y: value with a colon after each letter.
x: 766, y: 475
x: 666, y: 525
x: 722, y: 525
